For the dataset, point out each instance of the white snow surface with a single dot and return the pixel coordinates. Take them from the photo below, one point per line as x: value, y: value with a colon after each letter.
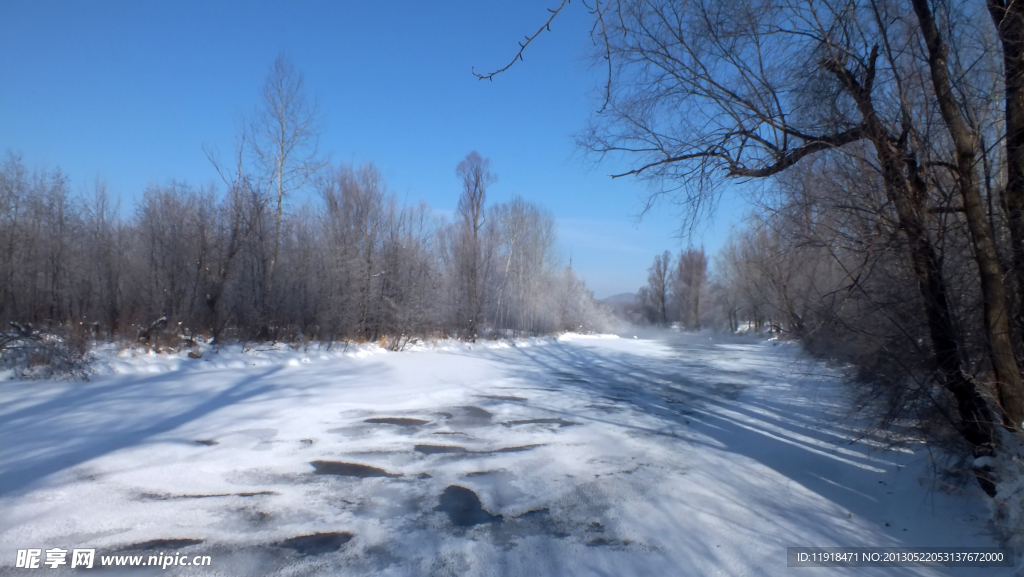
x: 679, y: 455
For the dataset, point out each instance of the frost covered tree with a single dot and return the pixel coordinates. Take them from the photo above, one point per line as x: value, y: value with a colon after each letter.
x: 658, y: 288
x: 471, y: 258
x: 284, y: 134
x: 524, y: 257
x: 689, y: 284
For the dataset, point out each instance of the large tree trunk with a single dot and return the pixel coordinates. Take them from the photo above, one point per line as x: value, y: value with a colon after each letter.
x: 976, y: 420
x: 908, y: 192
x: 1008, y: 16
x: 994, y: 294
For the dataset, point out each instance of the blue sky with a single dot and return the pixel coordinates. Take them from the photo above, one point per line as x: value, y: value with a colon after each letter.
x: 131, y: 92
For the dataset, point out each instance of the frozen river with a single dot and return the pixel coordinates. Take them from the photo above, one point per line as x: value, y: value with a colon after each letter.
x: 671, y: 455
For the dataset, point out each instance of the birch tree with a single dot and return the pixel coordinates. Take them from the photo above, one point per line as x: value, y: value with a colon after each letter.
x: 285, y: 130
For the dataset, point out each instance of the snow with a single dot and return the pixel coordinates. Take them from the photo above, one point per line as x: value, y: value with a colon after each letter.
x: 678, y: 455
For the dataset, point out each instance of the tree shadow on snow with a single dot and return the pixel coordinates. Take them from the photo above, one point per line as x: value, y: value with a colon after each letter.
x: 732, y: 410
x: 87, y: 420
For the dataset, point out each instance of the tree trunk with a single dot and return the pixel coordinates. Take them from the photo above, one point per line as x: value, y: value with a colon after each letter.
x: 994, y: 295
x: 1009, y: 21
x: 976, y: 421
x: 907, y: 190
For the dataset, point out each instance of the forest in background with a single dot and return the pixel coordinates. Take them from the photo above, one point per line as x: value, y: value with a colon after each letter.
x: 350, y: 264
x: 248, y: 261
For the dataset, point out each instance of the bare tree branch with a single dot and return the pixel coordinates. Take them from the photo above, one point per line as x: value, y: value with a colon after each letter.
x: 522, y: 45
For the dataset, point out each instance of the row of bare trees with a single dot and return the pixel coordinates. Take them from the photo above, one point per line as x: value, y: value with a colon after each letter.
x: 290, y: 246
x: 888, y: 138
x: 351, y: 263
x: 676, y: 291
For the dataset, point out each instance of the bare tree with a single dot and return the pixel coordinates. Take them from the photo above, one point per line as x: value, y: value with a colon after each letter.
x: 1008, y: 17
x: 689, y: 285
x: 284, y: 135
x: 475, y: 176
x: 525, y: 238
x: 658, y: 287
x: 997, y: 307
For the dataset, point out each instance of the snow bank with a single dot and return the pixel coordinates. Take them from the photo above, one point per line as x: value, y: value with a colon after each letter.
x: 112, y: 358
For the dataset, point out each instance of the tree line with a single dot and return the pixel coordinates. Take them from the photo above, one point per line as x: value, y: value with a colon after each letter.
x: 245, y: 260
x: 353, y: 263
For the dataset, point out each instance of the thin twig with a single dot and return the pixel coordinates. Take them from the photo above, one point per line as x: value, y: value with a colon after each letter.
x: 522, y: 46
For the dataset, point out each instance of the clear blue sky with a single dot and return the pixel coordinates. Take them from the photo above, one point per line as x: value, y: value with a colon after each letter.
x: 131, y: 91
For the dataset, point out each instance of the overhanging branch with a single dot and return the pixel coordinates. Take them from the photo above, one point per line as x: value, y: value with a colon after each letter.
x: 792, y: 157
x: 523, y: 45
x: 783, y: 161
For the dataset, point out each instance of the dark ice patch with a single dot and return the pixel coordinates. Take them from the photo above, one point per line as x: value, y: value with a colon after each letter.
x: 317, y: 543
x: 560, y: 422
x: 162, y: 544
x: 441, y: 449
x: 169, y: 497
x: 518, y: 449
x: 606, y: 542
x: 207, y: 442
x: 457, y: 450
x: 400, y: 421
x: 475, y: 414
x: 349, y: 470
x: 464, y: 508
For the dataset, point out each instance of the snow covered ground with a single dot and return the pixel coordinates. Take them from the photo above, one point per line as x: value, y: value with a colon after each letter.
x: 676, y: 455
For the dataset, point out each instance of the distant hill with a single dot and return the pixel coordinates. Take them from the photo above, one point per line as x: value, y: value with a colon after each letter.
x: 620, y: 299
